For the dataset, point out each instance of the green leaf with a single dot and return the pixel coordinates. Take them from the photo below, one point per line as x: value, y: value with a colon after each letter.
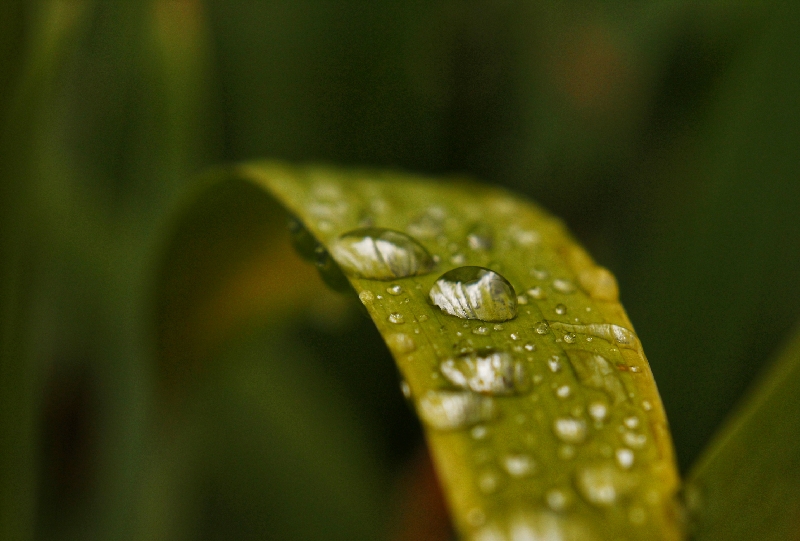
x: 540, y: 409
x: 747, y: 483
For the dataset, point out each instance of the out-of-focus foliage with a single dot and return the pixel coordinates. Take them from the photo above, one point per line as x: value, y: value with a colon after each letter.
x: 664, y: 133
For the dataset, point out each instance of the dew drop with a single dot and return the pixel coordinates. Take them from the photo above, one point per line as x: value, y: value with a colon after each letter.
x: 539, y: 273
x: 557, y: 500
x: 366, y: 297
x: 396, y: 318
x: 422, y: 318
x: 612, y: 333
x: 631, y: 421
x: 542, y: 327
x: 634, y: 440
x: 596, y: 372
x: 624, y: 457
x: 458, y: 259
x: 599, y: 283
x: 563, y: 286
x: 405, y: 388
x: 598, y: 411
x: 563, y: 391
x: 394, y: 290
x: 514, y: 336
x: 454, y: 410
x: 602, y: 484
x: 401, y: 343
x: 479, y: 432
x: 554, y: 363
x: 475, y: 293
x: 560, y: 309
x: 497, y: 327
x: 646, y: 405
x: 381, y: 254
x: 488, y: 482
x: 522, y: 299
x: 487, y: 371
x: 519, y: 465
x: 530, y: 346
x: 480, y: 238
x: 570, y: 429
x: 570, y: 338
x: 537, y: 293
x: 481, y: 330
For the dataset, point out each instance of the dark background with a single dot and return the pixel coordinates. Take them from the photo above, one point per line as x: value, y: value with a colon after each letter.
x: 665, y: 134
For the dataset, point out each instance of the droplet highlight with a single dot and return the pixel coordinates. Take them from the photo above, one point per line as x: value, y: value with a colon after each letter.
x: 381, y: 254
x: 488, y: 371
x: 475, y: 293
x: 454, y: 410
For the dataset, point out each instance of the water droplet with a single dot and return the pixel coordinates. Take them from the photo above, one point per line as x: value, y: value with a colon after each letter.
x: 554, y: 363
x: 519, y: 465
x: 596, y: 372
x: 570, y: 429
x: 302, y: 240
x: 563, y: 286
x: 422, y: 318
x: 530, y: 346
x: 429, y: 224
x: 631, y: 421
x: 632, y: 439
x: 480, y: 238
x: 397, y: 318
x: 570, y: 338
x: 497, y: 327
x: 405, y: 388
x: 488, y: 371
x: 564, y: 391
x: 457, y: 259
x: 381, y: 254
x: 481, y: 330
x: 599, y: 283
x: 598, y: 411
x: 557, y: 500
x: 454, y: 410
x: 514, y: 336
x: 634, y: 369
x: 539, y: 273
x: 522, y: 299
x: 475, y: 293
x: 366, y: 297
x: 401, y: 343
x: 542, y: 327
x: 525, y: 237
x: 607, y: 331
x: 394, y: 290
x: 537, y: 293
x: 488, y: 482
x: 560, y: 309
x: 646, y: 405
x: 479, y: 432
x: 624, y: 457
x: 602, y: 484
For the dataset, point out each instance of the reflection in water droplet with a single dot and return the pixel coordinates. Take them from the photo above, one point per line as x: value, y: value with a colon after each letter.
x: 596, y: 372
x: 394, y: 290
x: 563, y: 286
x: 454, y: 410
x: 602, y: 484
x: 519, y: 465
x: 570, y: 338
x: 397, y: 318
x: 381, y: 254
x: 560, y: 309
x: 542, y: 327
x: 536, y: 292
x: 624, y: 457
x: 475, y: 293
x: 488, y: 371
x: 570, y: 429
x: 401, y: 343
x: 599, y: 283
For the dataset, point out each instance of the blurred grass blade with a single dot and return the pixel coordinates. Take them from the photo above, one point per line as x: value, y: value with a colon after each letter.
x: 747, y: 484
x: 539, y: 406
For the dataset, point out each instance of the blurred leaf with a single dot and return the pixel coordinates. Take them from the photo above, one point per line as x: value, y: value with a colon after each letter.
x: 515, y: 452
x: 747, y: 483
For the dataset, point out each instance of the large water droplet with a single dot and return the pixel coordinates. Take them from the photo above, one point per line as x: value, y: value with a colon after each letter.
x: 596, y: 372
x: 603, y: 484
x: 381, y: 254
x: 570, y: 429
x: 475, y: 293
x: 454, y: 410
x: 488, y: 371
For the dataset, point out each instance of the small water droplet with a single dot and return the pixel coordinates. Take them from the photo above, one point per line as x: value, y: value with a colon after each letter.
x: 563, y: 286
x: 646, y: 405
x: 479, y: 432
x: 488, y: 371
x: 366, y: 297
x: 457, y: 259
x: 522, y: 299
x: 599, y: 283
x: 563, y: 391
x: 634, y: 369
x: 570, y: 429
x: 560, y: 309
x: 542, y: 327
x: 634, y: 440
x: 519, y: 465
x: 537, y: 293
x: 454, y: 410
x: 598, y: 411
x: 514, y: 336
x: 481, y: 330
x: 554, y: 363
x: 480, y: 238
x: 405, y: 388
x: 607, y: 331
x: 539, y: 273
x: 422, y: 318
x: 602, y: 484
x: 624, y: 457
x: 475, y: 293
x: 381, y: 254
x: 525, y: 237
x: 570, y: 338
x: 397, y: 318
x: 394, y: 289
x: 631, y: 421
x: 530, y: 346
x: 489, y: 482
x: 557, y: 500
x: 401, y: 343
x: 596, y: 372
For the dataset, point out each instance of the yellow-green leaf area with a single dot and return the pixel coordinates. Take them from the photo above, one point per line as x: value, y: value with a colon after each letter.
x: 539, y: 406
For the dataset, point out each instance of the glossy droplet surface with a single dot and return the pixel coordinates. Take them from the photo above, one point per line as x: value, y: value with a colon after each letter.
x: 454, y: 410
x: 560, y: 309
x: 381, y: 254
x: 475, y: 293
x: 487, y: 371
x: 397, y: 318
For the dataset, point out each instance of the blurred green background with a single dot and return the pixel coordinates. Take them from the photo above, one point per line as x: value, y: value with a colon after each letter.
x: 665, y: 134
